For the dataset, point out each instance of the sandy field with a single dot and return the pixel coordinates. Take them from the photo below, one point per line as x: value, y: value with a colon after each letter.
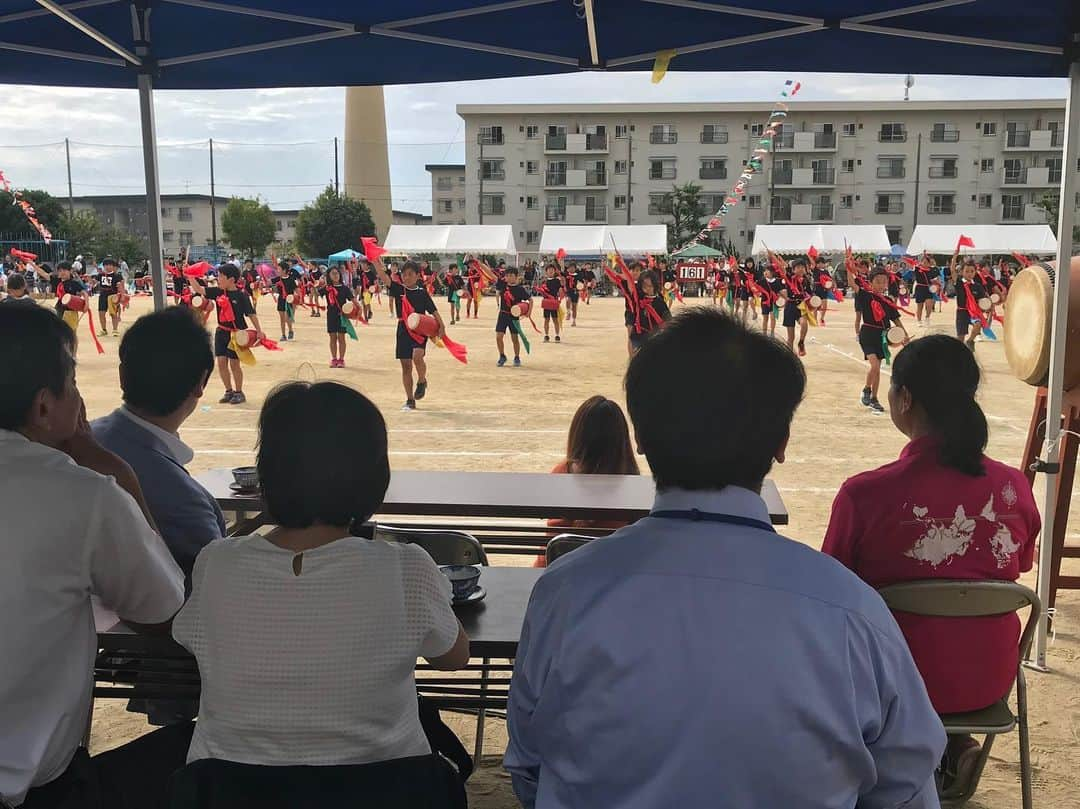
x: 483, y: 417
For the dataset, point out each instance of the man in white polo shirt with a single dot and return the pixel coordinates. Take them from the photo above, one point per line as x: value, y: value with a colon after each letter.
x: 75, y: 526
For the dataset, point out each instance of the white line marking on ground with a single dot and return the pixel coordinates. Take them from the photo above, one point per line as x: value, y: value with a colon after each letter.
x: 437, y: 430
x: 435, y: 453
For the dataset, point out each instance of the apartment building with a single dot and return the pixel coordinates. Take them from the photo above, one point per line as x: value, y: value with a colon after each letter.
x: 894, y: 163
x: 448, y: 193
x: 185, y: 218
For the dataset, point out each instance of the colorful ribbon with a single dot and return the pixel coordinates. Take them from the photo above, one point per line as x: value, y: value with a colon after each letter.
x: 29, y: 213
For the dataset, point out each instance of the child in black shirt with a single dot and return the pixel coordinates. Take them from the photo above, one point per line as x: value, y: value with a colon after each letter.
x: 652, y: 310
x: 337, y: 325
x: 510, y: 292
x: 969, y: 293
x: 454, y: 284
x: 110, y: 288
x: 233, y: 308
x: 551, y: 292
x: 874, y: 315
x: 411, y: 346
x: 285, y: 288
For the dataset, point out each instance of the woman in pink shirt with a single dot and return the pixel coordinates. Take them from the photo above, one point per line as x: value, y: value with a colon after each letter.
x: 943, y: 510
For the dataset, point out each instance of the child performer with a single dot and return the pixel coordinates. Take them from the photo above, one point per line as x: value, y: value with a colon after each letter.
x: 628, y: 288
x: 588, y: 277
x: 772, y: 287
x: 671, y: 282
x: 475, y: 282
x: 921, y: 278
x: 822, y: 286
x: 874, y: 313
x: 454, y: 284
x: 284, y: 286
x: 395, y: 278
x: 109, y: 291
x: 233, y: 309
x: 742, y: 291
x: 968, y: 294
x: 510, y: 292
x: 411, y: 346
x: 570, y: 278
x: 793, y: 314
x: 719, y: 282
x: 551, y: 293
x: 652, y: 311
x: 337, y: 325
x: 370, y: 284
x: 65, y: 283
x: 251, y: 283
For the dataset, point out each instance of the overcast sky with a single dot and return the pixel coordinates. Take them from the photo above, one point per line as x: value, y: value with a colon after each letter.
x: 248, y: 126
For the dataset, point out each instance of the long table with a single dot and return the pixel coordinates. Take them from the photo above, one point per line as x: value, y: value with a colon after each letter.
x: 494, y: 494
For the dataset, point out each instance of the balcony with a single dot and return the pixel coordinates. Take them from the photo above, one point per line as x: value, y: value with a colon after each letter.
x: 490, y: 138
x: 664, y: 173
x: 1023, y: 215
x: 941, y: 207
x: 783, y: 176
x: 444, y: 184
x: 892, y: 207
x: 1035, y: 140
x: 661, y: 136
x: 891, y: 172
x: 821, y: 212
x: 715, y: 173
x: 554, y: 213
x: 783, y: 140
x: 578, y: 143
x: 892, y: 136
x: 555, y: 179
x: 714, y: 136
x: 1032, y: 177
x: 944, y: 135
x: 595, y: 178
x: 823, y: 176
x: 576, y: 178
x: 496, y: 175
x: 494, y: 208
x: 596, y: 213
x: 944, y: 172
x: 660, y: 208
x: 804, y: 178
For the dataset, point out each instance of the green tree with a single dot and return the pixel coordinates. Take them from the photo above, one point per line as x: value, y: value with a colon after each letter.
x: 88, y: 237
x: 332, y: 223
x: 1051, y: 202
x: 248, y: 225
x: 687, y: 214
x: 48, y: 208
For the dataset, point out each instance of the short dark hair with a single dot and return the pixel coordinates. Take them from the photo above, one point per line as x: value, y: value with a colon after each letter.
x: 37, y: 349
x: 669, y: 398
x: 878, y: 271
x: 63, y: 265
x: 300, y: 485
x: 229, y: 271
x: 513, y: 270
x: 17, y: 281
x: 410, y: 265
x: 109, y: 260
x: 163, y: 357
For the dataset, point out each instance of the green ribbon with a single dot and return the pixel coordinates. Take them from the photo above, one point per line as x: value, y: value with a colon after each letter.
x: 288, y: 310
x: 516, y: 324
x: 885, y: 347
x: 348, y: 326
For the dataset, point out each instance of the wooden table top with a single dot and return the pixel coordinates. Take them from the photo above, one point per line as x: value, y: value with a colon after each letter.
x: 502, y: 494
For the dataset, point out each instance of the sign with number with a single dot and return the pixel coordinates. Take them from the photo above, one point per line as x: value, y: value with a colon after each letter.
x: 691, y: 270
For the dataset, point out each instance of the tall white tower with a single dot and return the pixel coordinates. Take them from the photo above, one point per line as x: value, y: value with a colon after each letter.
x: 367, y: 159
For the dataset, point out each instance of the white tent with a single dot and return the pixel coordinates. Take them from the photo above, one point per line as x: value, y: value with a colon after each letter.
x: 596, y: 240
x: 1031, y: 239
x: 825, y: 238
x: 450, y: 239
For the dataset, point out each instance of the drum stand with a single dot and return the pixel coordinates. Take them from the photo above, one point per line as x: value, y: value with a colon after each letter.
x: 1070, y: 441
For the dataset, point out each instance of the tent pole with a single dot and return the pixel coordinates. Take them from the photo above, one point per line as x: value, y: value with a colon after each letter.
x: 153, y: 187
x: 1066, y: 220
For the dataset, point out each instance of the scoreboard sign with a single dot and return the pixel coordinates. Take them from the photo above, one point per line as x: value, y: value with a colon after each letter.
x: 691, y: 271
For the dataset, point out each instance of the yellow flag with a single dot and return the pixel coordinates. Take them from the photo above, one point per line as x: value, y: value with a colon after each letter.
x: 660, y: 66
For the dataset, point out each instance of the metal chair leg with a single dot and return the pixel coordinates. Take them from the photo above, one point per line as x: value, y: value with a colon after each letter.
x: 481, y: 714
x: 1025, y: 750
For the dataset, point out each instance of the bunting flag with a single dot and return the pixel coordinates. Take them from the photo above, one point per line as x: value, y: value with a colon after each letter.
x: 964, y: 241
x: 660, y: 65
x: 28, y: 211
x: 752, y: 166
x: 372, y: 250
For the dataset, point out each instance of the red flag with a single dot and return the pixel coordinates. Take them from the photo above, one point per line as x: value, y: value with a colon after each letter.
x: 372, y: 250
x: 812, y: 253
x: 560, y: 254
x: 964, y: 241
x: 910, y: 261
x: 1024, y: 260
x: 197, y: 270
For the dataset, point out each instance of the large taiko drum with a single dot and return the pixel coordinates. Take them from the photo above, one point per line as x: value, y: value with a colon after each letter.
x: 1028, y: 321
x: 424, y: 325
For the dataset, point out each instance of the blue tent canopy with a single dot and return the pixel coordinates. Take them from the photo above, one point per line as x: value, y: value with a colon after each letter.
x: 205, y: 44
x: 345, y: 255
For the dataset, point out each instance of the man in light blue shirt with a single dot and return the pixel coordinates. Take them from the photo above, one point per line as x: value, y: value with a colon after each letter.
x: 697, y: 658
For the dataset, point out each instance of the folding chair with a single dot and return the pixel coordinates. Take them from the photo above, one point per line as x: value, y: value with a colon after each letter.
x: 448, y: 548
x: 563, y: 544
x: 950, y: 598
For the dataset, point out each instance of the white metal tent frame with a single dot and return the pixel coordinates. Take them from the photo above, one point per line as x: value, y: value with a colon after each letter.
x: 142, y: 60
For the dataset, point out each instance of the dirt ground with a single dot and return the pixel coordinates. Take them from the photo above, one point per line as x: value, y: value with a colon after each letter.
x: 483, y: 417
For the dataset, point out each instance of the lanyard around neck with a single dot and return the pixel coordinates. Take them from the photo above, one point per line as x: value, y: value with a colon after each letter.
x: 694, y: 515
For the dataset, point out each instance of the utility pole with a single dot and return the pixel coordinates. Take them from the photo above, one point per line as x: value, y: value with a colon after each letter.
x: 480, y: 207
x: 918, y: 174
x: 629, y: 171
x: 337, y: 186
x: 772, y: 175
x: 213, y: 199
x: 71, y: 196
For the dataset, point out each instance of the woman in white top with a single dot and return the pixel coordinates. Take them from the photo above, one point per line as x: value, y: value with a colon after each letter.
x: 307, y: 638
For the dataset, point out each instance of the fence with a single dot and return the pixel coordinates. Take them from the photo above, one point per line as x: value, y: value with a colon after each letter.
x: 55, y: 250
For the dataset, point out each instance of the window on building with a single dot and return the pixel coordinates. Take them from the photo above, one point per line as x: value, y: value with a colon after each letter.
x: 893, y: 133
x: 714, y: 133
x: 492, y: 170
x: 620, y: 202
x: 659, y: 204
x: 186, y: 239
x: 461, y: 203
x: 291, y: 224
x: 890, y: 168
x: 532, y: 166
x: 620, y: 130
x: 986, y: 200
x: 847, y: 200
x: 989, y: 128
x: 532, y: 131
x: 944, y: 167
x: 444, y: 183
x: 491, y: 135
x: 711, y: 202
x: 166, y: 213
x: 944, y: 133
x: 847, y: 166
x: 184, y: 215
x: 663, y: 133
x: 848, y: 130
x: 753, y: 201
x: 620, y: 166
x: 889, y: 203
x: 986, y: 165
x: 942, y: 204
x: 445, y: 206
x: 532, y: 236
x: 277, y: 225
x: 492, y: 205
x: 662, y: 168
x: 168, y: 235
x: 1078, y: 199
x: 461, y: 179
x: 532, y: 203
x: 713, y: 168
x: 894, y: 235
x: 1012, y: 206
